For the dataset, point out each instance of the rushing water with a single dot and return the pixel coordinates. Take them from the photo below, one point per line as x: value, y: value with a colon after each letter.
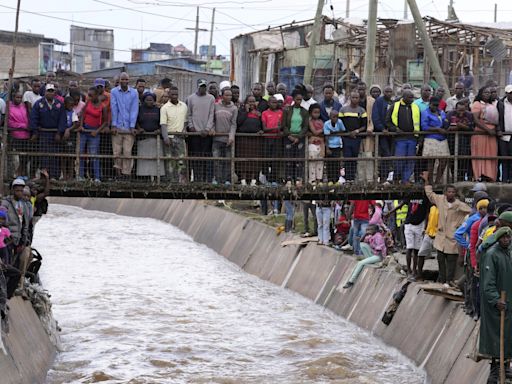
x: 139, y: 302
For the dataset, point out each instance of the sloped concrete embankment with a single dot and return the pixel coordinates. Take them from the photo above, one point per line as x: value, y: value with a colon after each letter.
x: 431, y: 331
x: 30, y: 353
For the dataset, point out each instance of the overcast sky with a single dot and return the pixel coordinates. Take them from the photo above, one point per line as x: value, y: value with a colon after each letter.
x: 138, y: 22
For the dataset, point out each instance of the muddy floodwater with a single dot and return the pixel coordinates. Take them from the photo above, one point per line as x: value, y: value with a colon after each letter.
x: 139, y: 301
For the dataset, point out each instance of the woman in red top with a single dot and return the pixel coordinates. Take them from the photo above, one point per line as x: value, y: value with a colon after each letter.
x: 316, y: 145
x: 93, y: 121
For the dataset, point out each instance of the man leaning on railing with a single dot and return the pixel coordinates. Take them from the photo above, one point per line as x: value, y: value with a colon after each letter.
x: 44, y: 120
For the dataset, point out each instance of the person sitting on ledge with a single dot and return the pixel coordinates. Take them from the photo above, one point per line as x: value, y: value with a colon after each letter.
x: 374, y: 250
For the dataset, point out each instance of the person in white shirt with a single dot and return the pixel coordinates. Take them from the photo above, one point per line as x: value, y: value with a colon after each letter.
x: 32, y: 95
x: 308, y: 100
x: 173, y: 118
x: 452, y: 101
x: 504, y: 131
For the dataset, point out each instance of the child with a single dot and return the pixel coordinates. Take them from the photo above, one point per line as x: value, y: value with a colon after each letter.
x: 342, y: 228
x: 374, y: 250
x: 316, y: 145
x: 334, y: 145
x: 5, y: 237
x: 67, y: 128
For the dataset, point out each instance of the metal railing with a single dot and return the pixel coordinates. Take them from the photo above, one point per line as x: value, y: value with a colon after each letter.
x: 195, y: 157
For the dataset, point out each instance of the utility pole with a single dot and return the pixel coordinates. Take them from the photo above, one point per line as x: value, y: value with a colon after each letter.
x: 347, y: 10
x: 197, y: 30
x: 210, y: 47
x: 428, y: 47
x: 313, y: 41
x: 371, y: 36
x: 495, y: 12
x: 406, y: 8
x: 3, y: 159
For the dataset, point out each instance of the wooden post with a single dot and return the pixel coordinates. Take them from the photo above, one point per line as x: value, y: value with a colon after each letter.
x: 428, y: 47
x: 210, y: 47
x: 3, y: 155
x: 371, y: 35
x: 313, y: 42
x: 502, y: 340
x: 476, y: 65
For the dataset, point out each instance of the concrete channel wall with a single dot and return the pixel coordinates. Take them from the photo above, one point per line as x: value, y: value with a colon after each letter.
x: 430, y: 330
x: 30, y: 352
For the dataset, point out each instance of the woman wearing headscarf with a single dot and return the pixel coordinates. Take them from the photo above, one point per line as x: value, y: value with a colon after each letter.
x: 148, y: 127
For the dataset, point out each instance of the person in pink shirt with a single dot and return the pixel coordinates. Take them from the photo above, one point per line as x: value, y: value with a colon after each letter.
x: 271, y: 120
x: 5, y: 235
x: 373, y: 247
x: 19, y: 132
x: 376, y: 217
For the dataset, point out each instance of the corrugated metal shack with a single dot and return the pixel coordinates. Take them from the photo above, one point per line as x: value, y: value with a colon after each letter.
x: 279, y: 53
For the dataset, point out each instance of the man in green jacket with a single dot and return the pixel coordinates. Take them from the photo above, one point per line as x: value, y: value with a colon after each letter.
x: 495, y: 277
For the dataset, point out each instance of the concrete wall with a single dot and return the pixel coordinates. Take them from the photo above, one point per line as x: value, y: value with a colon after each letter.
x: 30, y: 352
x: 429, y: 330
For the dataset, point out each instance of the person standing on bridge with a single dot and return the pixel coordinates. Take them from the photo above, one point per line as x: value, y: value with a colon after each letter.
x: 404, y: 117
x: 355, y: 120
x: 379, y: 111
x: 224, y: 135
x: 173, y: 118
x: 46, y: 115
x: 124, y: 103
x: 201, y: 110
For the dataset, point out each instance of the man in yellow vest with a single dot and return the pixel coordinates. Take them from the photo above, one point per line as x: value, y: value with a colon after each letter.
x: 404, y: 117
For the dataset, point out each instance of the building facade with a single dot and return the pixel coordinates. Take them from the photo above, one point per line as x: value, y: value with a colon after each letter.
x: 35, y: 54
x: 91, y: 49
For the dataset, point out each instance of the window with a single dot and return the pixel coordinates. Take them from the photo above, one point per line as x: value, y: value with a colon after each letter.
x: 105, y: 55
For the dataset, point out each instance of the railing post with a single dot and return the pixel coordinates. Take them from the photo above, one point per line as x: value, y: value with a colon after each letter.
x: 3, y: 158
x: 306, y: 160
x: 77, y: 156
x: 375, y: 159
x: 158, y: 146
x: 456, y: 157
x: 232, y: 161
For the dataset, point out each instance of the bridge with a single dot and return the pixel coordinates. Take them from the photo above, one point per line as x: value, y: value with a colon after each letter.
x: 161, y: 172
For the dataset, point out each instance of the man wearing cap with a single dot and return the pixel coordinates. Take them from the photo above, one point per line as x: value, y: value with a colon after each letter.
x: 201, y: 110
x: 124, y: 105
x: 505, y: 133
x: 17, y: 217
x: 495, y: 278
x: 46, y: 114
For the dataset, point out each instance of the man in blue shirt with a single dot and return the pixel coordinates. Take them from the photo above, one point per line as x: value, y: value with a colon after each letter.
x: 423, y: 101
x: 124, y: 103
x: 44, y: 121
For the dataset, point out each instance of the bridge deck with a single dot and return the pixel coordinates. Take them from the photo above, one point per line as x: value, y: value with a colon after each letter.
x: 203, y: 191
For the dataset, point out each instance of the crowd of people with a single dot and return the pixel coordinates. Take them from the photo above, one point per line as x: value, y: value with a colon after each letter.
x: 271, y: 124
x: 116, y: 124
x: 20, y: 210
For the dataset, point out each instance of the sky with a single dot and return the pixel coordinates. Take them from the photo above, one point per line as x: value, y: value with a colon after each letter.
x: 136, y: 23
